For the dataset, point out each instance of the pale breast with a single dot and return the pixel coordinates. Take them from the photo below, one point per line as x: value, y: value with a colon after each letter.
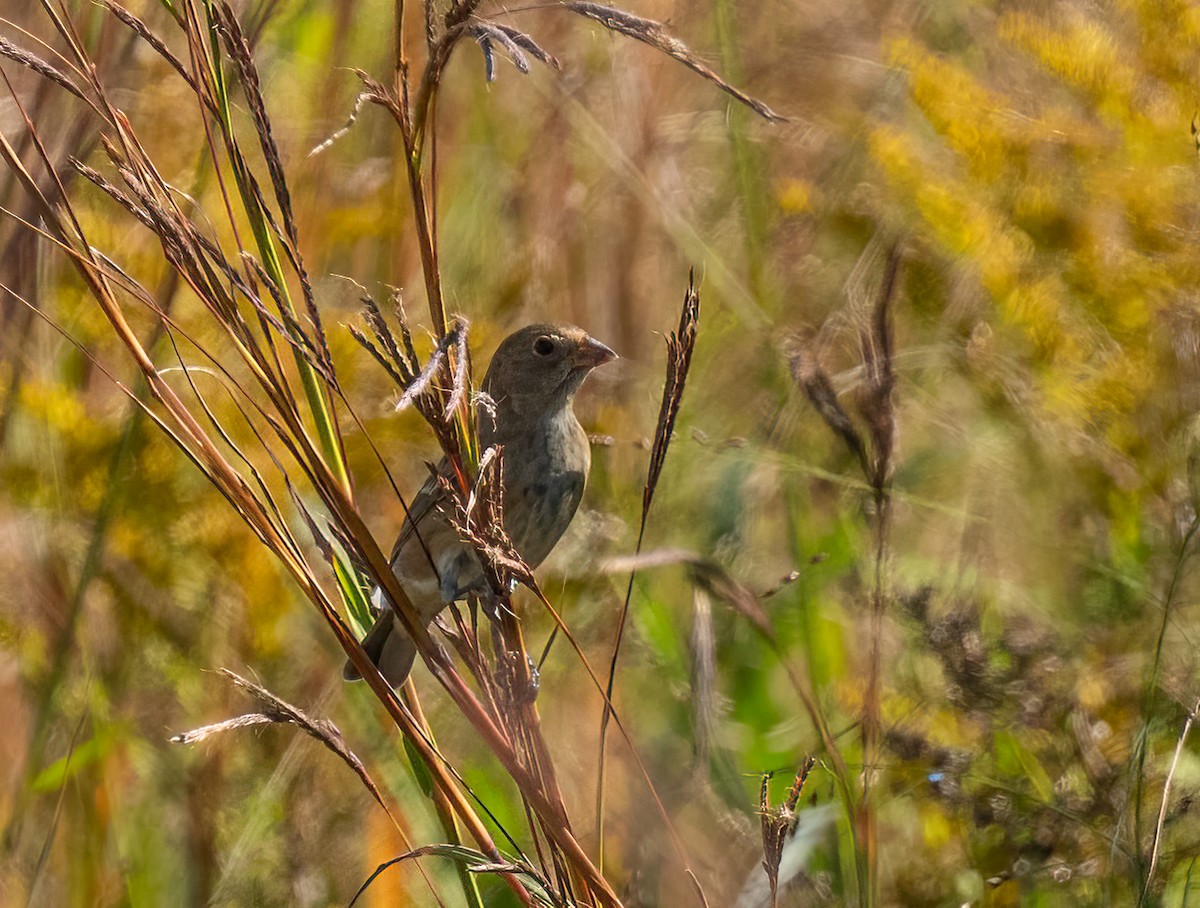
x: 544, y: 478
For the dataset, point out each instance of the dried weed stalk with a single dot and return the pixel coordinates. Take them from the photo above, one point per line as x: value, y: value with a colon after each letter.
x: 656, y: 35
x: 778, y: 822
x: 256, y: 325
x: 680, y: 345
x: 276, y: 710
x: 874, y: 451
x: 252, y: 281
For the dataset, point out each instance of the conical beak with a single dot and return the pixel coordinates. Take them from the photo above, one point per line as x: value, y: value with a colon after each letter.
x: 591, y: 353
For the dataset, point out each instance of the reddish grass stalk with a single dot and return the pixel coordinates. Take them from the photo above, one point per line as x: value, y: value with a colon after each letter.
x: 680, y: 345
x: 217, y: 47
x: 878, y: 409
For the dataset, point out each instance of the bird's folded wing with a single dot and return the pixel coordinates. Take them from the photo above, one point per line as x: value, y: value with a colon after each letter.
x: 435, y: 565
x: 417, y: 524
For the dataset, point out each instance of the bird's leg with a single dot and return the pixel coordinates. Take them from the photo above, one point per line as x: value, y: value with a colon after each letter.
x: 494, y: 604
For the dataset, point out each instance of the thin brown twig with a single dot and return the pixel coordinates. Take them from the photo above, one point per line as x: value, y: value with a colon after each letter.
x: 1166, y: 797
x: 656, y: 35
x: 277, y: 710
x: 192, y: 439
x: 680, y: 345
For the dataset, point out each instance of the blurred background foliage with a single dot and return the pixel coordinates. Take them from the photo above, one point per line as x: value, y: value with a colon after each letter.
x: 1033, y: 161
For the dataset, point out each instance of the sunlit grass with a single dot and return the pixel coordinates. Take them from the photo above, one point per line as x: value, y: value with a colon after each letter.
x: 1034, y: 613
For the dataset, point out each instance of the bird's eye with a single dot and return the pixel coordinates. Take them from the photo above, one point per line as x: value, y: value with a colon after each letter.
x: 543, y: 346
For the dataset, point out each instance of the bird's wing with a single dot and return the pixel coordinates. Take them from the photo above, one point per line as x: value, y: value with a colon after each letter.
x: 435, y: 564
x: 422, y: 506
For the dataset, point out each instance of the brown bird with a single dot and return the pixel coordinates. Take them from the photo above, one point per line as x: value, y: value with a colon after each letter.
x: 532, y: 381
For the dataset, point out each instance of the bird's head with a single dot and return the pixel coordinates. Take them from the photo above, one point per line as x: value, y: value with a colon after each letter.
x: 540, y: 367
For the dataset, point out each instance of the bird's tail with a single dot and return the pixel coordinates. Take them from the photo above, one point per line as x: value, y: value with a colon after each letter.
x: 390, y: 648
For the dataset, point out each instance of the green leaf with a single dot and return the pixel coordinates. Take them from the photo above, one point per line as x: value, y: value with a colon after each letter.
x: 1010, y: 751
x: 420, y: 770
x: 65, y: 768
x: 358, y: 608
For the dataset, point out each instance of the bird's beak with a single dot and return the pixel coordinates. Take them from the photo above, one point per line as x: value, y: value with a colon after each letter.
x: 591, y: 353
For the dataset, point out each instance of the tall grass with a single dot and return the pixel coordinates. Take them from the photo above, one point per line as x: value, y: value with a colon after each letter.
x: 292, y: 410
x: 915, y: 536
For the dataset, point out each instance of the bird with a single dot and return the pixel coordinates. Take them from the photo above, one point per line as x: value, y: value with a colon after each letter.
x: 530, y: 385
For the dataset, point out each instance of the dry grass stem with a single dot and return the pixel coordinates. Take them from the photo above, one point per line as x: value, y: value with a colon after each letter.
x: 276, y: 710
x: 680, y: 345
x: 1156, y: 845
x: 814, y: 382
x: 656, y: 35
x: 778, y: 822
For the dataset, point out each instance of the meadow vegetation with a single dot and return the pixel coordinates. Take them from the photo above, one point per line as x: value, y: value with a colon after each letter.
x: 883, y: 591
